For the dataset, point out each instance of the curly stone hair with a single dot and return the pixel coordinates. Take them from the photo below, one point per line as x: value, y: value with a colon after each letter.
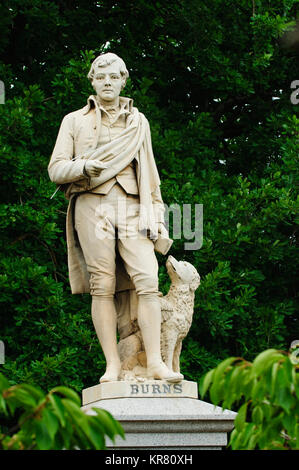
x: 106, y: 59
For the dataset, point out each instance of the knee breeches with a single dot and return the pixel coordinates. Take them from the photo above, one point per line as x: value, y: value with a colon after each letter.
x: 104, y: 222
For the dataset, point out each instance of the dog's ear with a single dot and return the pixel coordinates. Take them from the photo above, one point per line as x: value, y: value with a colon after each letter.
x: 195, y: 283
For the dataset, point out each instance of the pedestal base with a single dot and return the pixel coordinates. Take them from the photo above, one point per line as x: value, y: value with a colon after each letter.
x: 163, y: 421
x: 144, y: 389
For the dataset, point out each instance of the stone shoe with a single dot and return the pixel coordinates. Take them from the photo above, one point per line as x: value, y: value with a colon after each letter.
x: 161, y: 372
x: 111, y: 374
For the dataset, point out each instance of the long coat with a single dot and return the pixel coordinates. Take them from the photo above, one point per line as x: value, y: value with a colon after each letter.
x: 77, y: 139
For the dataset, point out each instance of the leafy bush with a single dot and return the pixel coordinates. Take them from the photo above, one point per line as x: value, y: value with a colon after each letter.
x: 267, y: 390
x: 38, y: 421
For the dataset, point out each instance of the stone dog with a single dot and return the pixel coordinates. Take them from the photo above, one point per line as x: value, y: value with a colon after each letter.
x: 177, y: 312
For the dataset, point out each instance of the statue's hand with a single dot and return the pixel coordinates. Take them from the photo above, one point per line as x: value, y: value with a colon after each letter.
x: 162, y: 230
x: 93, y: 168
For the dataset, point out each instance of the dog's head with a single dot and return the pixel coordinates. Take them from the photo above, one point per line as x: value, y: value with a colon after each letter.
x: 182, y: 273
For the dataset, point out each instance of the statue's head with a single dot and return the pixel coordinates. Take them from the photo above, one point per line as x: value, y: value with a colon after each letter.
x: 108, y: 71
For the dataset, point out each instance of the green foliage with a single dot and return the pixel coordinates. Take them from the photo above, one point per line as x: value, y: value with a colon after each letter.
x: 266, y: 393
x: 205, y: 74
x: 51, y: 421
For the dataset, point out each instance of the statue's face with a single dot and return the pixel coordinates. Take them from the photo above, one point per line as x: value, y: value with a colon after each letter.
x: 108, y: 82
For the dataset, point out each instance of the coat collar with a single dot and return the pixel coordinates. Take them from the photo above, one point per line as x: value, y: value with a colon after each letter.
x: 126, y: 104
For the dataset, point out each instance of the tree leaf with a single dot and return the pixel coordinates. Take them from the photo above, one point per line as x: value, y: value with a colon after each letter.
x: 22, y: 396
x: 274, y: 372
x: 265, y: 360
x: 57, y: 407
x: 241, y: 417
x: 51, y: 422
x: 67, y: 392
x: 289, y: 421
x: 253, y: 440
x: 110, y: 425
x: 96, y: 434
x: 3, y: 407
x: 33, y: 391
x: 284, y: 398
x: 205, y: 382
x: 257, y: 414
x: 76, y: 414
x: 222, y: 367
x: 43, y: 438
x: 217, y: 390
x: 4, y: 384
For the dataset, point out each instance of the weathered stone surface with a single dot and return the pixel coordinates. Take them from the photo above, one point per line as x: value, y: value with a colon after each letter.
x: 148, y: 388
x: 167, y: 422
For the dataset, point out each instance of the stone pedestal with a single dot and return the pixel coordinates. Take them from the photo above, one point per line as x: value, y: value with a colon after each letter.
x: 157, y: 415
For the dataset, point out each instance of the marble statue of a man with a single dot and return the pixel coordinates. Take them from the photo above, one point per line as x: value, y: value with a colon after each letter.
x: 104, y: 162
